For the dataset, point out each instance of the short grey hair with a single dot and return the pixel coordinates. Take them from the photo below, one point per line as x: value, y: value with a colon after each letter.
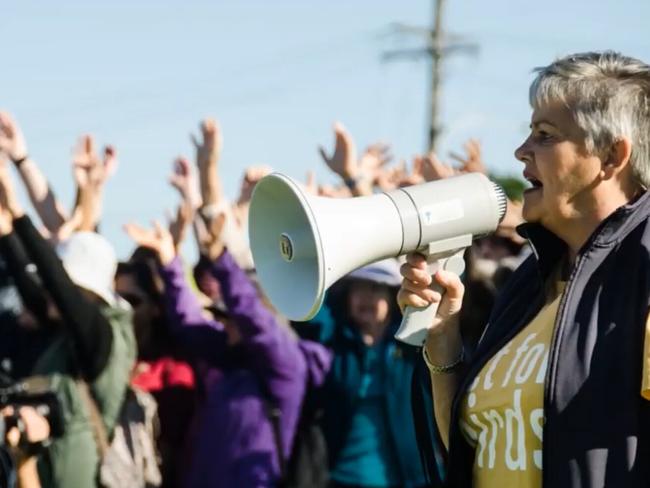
x: 609, y: 97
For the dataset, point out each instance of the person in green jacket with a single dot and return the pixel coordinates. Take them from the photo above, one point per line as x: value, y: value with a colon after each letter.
x: 90, y: 340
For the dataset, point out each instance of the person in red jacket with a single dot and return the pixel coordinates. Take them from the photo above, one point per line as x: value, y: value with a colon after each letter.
x: 162, y: 367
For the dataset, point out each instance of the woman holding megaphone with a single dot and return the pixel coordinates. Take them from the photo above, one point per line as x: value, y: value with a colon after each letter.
x: 557, y: 393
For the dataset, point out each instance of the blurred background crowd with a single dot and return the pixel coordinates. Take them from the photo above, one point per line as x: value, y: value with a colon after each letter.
x: 159, y: 370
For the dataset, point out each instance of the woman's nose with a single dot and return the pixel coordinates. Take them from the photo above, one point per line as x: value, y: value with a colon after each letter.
x: 522, y: 153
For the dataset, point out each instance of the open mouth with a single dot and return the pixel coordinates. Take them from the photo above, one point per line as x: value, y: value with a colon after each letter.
x: 535, y: 184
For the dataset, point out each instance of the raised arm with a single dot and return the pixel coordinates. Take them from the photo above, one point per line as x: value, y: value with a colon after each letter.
x: 214, y: 202
x: 51, y: 212
x: 21, y: 269
x: 272, y: 351
x: 89, y: 330
x: 208, y: 150
x: 91, y: 174
x: 184, y: 180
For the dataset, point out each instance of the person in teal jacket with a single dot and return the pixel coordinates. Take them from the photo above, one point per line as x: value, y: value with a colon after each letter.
x: 367, y: 419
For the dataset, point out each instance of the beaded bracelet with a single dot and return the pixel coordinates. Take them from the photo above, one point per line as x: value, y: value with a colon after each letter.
x: 449, y: 368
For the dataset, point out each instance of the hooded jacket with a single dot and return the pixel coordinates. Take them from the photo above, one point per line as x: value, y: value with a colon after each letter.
x: 233, y: 442
x: 597, y: 425
x: 340, y: 394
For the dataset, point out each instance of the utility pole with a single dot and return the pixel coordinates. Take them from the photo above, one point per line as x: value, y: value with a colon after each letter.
x: 438, y: 46
x: 436, y: 60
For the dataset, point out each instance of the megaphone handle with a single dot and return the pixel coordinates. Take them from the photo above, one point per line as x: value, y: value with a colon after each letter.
x: 417, y: 320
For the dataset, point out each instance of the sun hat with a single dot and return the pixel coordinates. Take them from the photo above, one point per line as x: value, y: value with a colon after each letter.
x: 90, y: 261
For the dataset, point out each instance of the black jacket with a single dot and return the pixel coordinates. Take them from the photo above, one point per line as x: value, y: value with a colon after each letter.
x: 597, y: 425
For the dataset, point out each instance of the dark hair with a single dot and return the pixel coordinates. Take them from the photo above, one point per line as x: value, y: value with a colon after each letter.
x: 143, y: 266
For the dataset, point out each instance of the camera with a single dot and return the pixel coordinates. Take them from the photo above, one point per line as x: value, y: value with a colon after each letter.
x: 35, y: 392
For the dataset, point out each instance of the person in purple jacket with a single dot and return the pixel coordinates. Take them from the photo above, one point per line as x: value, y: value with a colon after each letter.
x: 250, y: 361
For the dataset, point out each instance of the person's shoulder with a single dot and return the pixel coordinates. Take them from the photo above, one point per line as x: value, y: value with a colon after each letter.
x: 120, y: 319
x: 119, y: 312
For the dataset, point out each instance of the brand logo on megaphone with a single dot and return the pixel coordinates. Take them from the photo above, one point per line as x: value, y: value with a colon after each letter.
x: 286, y: 247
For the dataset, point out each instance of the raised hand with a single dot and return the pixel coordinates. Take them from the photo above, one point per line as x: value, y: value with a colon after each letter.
x: 252, y: 176
x: 158, y: 239
x: 91, y: 171
x: 330, y: 191
x: 373, y: 161
x: 184, y: 180
x: 472, y: 162
x: 209, y: 148
x: 432, y: 169
x: 12, y: 142
x: 343, y: 160
x: 400, y: 176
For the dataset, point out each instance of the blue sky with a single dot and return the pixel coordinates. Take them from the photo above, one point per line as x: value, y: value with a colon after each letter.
x: 276, y: 73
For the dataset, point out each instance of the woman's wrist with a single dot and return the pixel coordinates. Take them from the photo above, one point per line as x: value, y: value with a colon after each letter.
x: 444, y: 348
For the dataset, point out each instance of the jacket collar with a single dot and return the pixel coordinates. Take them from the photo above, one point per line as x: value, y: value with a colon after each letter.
x: 548, y: 248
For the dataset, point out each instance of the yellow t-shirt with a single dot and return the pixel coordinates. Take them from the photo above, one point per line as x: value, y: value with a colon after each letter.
x: 502, y: 413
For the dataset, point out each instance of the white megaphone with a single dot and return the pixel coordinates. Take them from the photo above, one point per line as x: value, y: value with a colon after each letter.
x: 302, y: 244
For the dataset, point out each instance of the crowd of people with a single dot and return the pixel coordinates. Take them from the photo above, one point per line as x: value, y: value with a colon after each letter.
x: 197, y: 345
x: 155, y: 371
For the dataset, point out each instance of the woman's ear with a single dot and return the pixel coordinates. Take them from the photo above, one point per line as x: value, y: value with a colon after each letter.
x: 617, y: 158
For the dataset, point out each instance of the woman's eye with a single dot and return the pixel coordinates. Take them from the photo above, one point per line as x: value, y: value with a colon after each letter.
x: 543, y: 136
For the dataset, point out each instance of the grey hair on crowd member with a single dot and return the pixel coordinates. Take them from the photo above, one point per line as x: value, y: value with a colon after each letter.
x: 608, y: 95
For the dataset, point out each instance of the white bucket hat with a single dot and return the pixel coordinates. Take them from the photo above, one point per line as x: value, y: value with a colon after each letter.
x: 90, y: 261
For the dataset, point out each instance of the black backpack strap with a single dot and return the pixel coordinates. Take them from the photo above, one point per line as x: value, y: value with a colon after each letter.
x: 274, y: 414
x: 429, y: 456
